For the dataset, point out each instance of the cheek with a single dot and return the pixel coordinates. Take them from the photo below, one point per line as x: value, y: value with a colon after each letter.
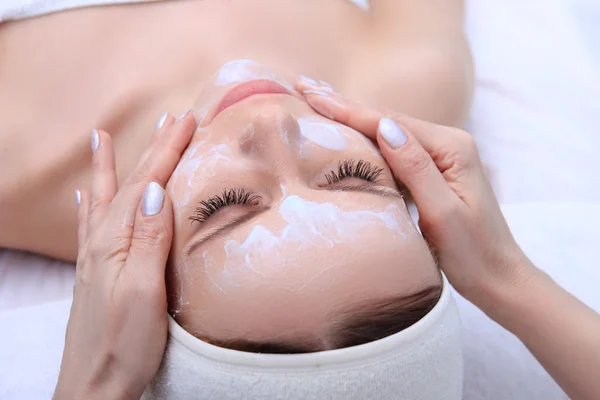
x: 198, y: 165
x: 331, y: 136
x: 326, y: 135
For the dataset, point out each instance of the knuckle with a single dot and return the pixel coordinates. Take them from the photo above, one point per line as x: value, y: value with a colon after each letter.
x: 95, y: 205
x: 149, y: 235
x: 466, y: 141
x: 415, y: 161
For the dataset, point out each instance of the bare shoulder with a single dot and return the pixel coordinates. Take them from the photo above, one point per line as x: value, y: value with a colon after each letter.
x: 416, y: 60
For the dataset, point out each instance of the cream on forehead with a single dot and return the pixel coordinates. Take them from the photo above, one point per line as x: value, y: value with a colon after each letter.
x: 310, y: 226
x: 193, y: 163
x: 324, y: 134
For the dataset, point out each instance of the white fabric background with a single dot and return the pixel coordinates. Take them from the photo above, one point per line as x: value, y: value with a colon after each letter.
x: 535, y: 117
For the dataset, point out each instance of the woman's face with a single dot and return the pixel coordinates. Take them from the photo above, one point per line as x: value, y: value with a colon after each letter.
x: 284, y: 219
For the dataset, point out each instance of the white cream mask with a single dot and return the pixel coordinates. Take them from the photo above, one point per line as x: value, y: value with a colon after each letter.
x: 196, y: 160
x: 324, y: 134
x: 310, y: 226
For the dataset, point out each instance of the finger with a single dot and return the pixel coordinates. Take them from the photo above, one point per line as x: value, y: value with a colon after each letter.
x: 165, y: 153
x: 334, y: 106
x: 104, y: 175
x: 158, y: 167
x: 152, y: 235
x: 83, y: 204
x: 164, y: 123
x: 412, y: 165
x: 441, y: 142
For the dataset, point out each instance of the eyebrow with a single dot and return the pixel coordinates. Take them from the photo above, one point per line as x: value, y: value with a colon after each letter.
x: 382, y: 191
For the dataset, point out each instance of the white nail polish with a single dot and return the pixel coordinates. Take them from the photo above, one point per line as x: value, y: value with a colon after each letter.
x: 161, y: 120
x: 182, y: 116
x: 327, y: 85
x: 391, y: 132
x: 95, y: 140
x: 152, y: 200
x: 308, y: 81
x: 78, y: 197
x: 317, y: 92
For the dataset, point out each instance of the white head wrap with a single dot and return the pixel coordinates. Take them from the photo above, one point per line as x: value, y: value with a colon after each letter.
x: 423, y: 361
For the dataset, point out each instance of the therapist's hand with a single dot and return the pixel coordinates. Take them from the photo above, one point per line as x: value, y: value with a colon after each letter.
x: 117, y: 329
x: 458, y: 213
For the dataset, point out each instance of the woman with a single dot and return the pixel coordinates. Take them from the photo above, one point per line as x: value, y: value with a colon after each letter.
x: 120, y: 67
x: 459, y: 216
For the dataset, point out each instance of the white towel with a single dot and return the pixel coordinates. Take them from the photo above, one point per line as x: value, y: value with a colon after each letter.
x: 19, y: 9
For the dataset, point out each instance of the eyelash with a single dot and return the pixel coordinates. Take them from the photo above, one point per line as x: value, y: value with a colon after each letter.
x: 354, y: 169
x: 346, y: 169
x: 229, y: 197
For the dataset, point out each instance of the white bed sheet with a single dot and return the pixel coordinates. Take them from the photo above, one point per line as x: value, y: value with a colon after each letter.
x: 535, y: 117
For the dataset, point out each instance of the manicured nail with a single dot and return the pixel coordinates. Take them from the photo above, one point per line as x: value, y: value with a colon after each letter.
x: 161, y: 120
x: 308, y: 81
x: 152, y: 200
x: 327, y: 85
x: 317, y: 92
x: 391, y: 132
x: 95, y: 140
x: 182, y: 116
x: 78, y: 196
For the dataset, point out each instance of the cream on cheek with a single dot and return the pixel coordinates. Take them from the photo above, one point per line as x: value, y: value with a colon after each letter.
x: 331, y: 136
x: 201, y: 160
x: 307, y: 228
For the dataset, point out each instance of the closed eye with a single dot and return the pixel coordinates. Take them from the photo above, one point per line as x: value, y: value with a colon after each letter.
x: 229, y: 197
x: 354, y: 169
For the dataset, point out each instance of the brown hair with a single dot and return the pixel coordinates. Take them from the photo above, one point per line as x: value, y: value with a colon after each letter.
x: 363, y: 323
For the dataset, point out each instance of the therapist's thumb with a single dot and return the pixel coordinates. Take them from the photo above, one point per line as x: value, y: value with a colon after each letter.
x: 152, y: 233
x: 413, y: 166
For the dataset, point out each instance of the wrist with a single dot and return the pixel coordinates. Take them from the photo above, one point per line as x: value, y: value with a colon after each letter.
x: 512, y: 275
x: 75, y: 389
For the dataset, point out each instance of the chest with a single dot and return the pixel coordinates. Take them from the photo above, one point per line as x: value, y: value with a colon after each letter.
x: 118, y: 67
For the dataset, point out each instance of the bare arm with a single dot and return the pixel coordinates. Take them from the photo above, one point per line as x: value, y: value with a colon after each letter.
x: 560, y: 331
x: 462, y: 221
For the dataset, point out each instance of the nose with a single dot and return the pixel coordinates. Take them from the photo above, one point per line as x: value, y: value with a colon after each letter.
x: 272, y: 129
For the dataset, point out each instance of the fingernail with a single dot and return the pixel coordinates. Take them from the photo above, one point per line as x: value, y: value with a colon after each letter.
x: 327, y: 85
x: 152, y: 200
x: 391, y: 132
x: 317, y: 92
x: 78, y: 196
x: 95, y: 140
x: 182, y: 116
x: 308, y: 81
x: 161, y: 120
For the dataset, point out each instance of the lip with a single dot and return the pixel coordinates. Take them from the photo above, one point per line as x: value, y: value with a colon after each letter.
x: 248, y: 89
